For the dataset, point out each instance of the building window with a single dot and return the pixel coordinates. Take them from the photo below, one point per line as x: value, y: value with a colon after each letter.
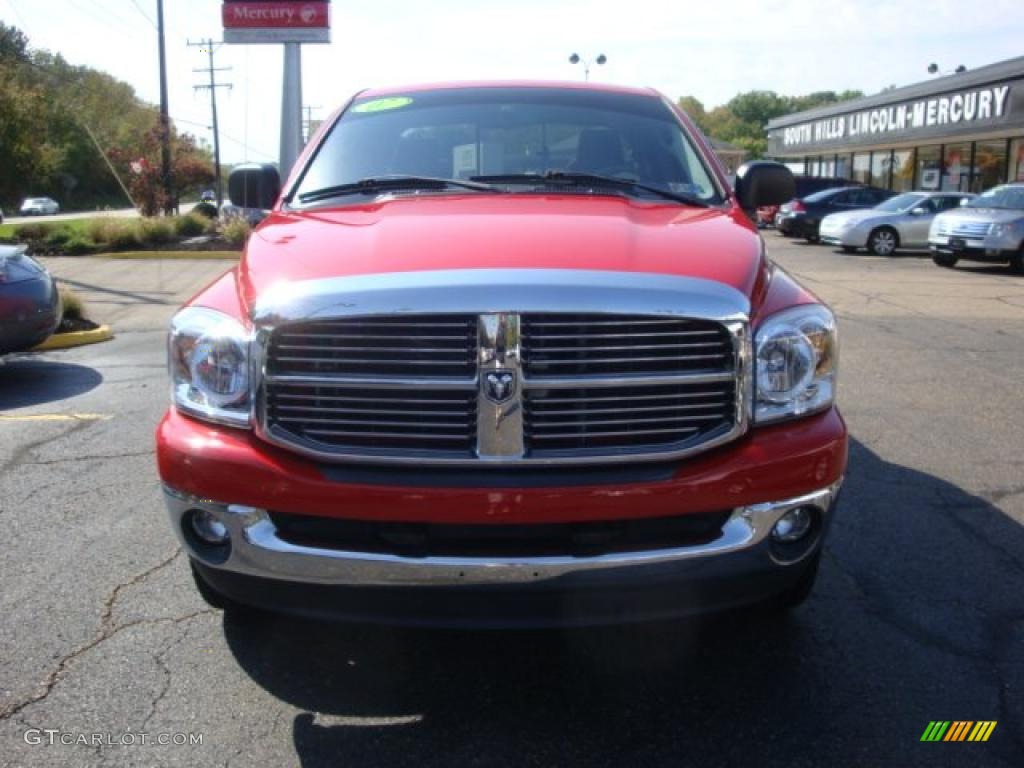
x: 843, y: 163
x: 956, y: 167
x: 903, y: 170
x: 929, y: 167
x: 862, y: 167
x: 880, y: 164
x: 1017, y: 160
x: 989, y: 165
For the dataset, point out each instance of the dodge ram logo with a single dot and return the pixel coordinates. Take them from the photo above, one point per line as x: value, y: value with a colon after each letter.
x: 499, y: 386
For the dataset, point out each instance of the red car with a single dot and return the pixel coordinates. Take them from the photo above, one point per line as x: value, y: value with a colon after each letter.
x: 504, y: 355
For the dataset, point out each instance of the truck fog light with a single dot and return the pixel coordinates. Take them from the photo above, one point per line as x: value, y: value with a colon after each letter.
x: 208, y: 528
x: 793, y: 525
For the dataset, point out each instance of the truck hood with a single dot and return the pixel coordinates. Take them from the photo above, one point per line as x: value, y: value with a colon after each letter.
x: 451, y: 232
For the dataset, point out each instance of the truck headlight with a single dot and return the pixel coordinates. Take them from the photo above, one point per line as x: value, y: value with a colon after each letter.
x: 797, y: 356
x: 208, y: 359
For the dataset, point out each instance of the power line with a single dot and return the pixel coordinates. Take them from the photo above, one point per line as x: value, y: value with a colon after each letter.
x: 145, y: 15
x: 213, y: 85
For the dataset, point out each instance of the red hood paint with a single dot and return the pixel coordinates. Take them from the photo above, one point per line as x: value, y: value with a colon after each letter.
x: 408, y: 234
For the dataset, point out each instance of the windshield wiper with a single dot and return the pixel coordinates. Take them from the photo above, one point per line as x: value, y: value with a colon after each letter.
x: 373, y: 185
x: 595, y: 179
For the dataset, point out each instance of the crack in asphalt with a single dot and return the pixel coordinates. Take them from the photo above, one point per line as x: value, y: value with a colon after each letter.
x: 18, y: 457
x: 69, y: 459
x: 106, y: 631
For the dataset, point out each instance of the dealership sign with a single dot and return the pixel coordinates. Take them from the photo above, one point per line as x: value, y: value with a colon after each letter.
x: 951, y: 114
x: 281, y: 21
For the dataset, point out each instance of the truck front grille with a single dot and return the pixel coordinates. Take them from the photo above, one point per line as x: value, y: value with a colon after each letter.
x: 588, y: 345
x: 504, y: 388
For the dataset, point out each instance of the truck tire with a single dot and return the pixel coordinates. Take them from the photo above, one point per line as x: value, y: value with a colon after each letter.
x: 945, y: 260
x: 215, y: 599
x: 796, y: 595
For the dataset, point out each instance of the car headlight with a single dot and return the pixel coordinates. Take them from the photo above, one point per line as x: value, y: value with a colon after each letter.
x: 796, y: 361
x: 208, y: 359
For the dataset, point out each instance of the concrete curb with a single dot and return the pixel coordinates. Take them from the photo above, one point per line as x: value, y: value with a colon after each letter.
x: 75, y: 339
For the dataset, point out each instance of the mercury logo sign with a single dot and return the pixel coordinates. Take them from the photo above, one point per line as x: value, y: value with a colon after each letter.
x: 308, y: 13
x: 964, y: 107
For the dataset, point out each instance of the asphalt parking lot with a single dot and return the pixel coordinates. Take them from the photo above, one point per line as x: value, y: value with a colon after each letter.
x: 918, y: 614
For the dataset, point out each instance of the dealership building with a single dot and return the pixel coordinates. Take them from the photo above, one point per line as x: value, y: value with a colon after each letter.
x: 961, y: 132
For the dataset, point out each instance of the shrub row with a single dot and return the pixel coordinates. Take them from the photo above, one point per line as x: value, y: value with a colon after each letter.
x: 78, y: 237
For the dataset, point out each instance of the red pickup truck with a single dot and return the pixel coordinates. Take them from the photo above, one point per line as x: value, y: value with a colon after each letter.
x: 504, y: 354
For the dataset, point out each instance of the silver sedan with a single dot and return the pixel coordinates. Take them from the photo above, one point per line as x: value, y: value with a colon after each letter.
x: 899, y: 222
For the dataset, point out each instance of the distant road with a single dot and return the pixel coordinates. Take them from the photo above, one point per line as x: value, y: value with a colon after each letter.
x: 122, y: 213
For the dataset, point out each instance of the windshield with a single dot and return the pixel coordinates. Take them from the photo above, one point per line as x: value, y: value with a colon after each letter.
x: 462, y: 133
x: 1010, y: 196
x: 900, y: 203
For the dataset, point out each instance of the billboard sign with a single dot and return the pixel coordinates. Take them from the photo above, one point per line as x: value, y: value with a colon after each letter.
x: 277, y: 21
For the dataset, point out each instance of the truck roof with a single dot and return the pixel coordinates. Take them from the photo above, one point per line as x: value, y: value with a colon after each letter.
x: 575, y: 84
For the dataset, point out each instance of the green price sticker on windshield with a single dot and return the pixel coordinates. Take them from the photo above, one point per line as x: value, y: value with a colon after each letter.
x: 381, y: 105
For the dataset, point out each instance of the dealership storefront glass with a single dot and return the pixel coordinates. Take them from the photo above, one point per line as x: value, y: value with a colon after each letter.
x: 963, y: 132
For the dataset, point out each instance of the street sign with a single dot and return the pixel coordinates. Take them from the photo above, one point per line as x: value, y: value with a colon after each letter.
x: 279, y: 21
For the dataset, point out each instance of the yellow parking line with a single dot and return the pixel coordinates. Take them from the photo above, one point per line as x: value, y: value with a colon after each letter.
x: 57, y: 417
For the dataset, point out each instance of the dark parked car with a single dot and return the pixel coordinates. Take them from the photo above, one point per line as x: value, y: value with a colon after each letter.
x: 801, y: 217
x: 805, y: 185
x: 30, y: 306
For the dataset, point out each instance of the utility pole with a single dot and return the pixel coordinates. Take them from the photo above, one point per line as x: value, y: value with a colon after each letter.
x: 213, y: 86
x: 165, y: 120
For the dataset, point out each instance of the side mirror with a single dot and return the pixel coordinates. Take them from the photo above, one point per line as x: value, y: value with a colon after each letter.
x: 762, y: 183
x: 254, y: 186
x: 918, y: 212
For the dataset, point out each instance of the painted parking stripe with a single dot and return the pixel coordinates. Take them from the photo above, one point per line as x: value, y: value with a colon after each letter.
x: 57, y: 417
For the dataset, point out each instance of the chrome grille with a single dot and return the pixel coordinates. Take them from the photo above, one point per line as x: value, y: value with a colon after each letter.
x: 558, y: 420
x: 586, y: 387
x: 340, y: 416
x: 587, y: 345
x: 971, y: 229
x: 442, y: 345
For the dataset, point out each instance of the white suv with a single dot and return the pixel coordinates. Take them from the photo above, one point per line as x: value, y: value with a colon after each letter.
x: 988, y: 228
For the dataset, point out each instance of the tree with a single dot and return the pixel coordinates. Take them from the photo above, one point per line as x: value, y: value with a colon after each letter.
x: 47, y: 109
x: 743, y: 120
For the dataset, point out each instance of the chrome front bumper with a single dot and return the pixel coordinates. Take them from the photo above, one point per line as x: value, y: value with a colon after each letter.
x: 257, y: 550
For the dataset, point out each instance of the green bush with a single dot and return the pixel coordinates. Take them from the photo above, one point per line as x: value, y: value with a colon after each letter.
x: 236, y: 230
x: 118, y: 234
x: 31, y: 232
x: 191, y: 225
x: 79, y: 244
x: 73, y: 305
x: 207, y: 210
x: 58, y: 237
x: 155, y: 231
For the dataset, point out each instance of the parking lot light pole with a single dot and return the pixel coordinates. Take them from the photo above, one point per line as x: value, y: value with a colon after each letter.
x: 576, y: 59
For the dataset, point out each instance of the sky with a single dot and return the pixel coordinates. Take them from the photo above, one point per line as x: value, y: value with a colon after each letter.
x: 711, y: 50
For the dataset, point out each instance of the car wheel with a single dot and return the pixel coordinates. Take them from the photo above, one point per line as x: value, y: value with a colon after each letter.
x: 883, y: 241
x: 945, y: 260
x: 849, y: 248
x: 1017, y: 261
x: 811, y: 238
x: 215, y: 599
x: 784, y: 233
